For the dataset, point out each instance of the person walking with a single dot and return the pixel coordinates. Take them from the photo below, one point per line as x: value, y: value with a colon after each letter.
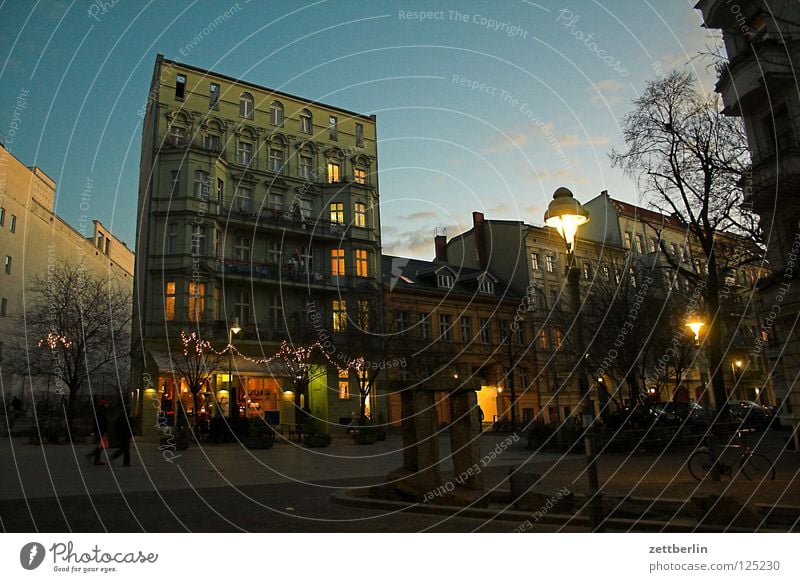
x: 122, y: 429
x: 100, y: 432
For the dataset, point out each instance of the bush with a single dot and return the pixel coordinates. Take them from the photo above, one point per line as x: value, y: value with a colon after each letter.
x: 539, y: 435
x: 315, y: 435
x: 259, y: 435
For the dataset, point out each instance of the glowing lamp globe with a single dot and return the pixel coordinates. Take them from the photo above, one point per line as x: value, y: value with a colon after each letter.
x: 566, y: 214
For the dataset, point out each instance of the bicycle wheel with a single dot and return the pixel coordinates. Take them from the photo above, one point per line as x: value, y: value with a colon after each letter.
x: 757, y: 467
x: 700, y: 464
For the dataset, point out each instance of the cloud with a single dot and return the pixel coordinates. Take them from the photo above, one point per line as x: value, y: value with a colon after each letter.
x: 419, y: 215
x: 571, y: 140
x: 418, y: 244
x: 561, y: 177
x: 607, y: 93
x: 503, y: 143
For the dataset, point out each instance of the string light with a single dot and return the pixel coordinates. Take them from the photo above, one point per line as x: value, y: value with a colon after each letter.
x: 53, y: 339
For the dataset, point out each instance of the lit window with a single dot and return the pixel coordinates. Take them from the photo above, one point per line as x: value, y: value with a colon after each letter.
x: 213, y: 95
x: 549, y: 263
x: 360, y: 135
x: 363, y: 314
x: 332, y: 128
x: 276, y: 160
x: 639, y: 244
x: 362, y: 265
x: 444, y: 280
x: 246, y: 106
x: 276, y: 202
x: 543, y: 343
x: 486, y: 331
x: 486, y: 285
x: 334, y: 172
x: 446, y: 327
x: 180, y: 87
x: 169, y: 301
x: 360, y: 176
x: 558, y: 337
x: 306, y: 162
x: 360, y: 218
x: 466, y: 328
x: 627, y: 240
x: 244, y: 153
x: 306, y: 124
x: 337, y: 262
x: 339, y: 315
x: 202, y: 185
x: 197, y: 301
x: 276, y: 113
x: 535, y: 261
x: 337, y: 213
x: 344, y: 384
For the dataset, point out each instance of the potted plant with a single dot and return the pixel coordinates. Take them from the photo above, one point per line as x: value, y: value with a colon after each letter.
x: 365, y: 433
x: 314, y: 434
x: 259, y: 435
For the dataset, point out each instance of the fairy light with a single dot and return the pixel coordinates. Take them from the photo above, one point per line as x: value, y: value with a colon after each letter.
x: 53, y: 340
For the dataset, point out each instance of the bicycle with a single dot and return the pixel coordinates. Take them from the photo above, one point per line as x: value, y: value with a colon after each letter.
x: 754, y: 466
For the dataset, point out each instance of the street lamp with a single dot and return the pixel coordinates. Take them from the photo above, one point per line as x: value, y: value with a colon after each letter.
x: 233, y: 399
x: 566, y: 214
x: 695, y: 325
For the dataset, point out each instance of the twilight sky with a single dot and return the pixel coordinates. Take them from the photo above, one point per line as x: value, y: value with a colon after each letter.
x: 484, y: 106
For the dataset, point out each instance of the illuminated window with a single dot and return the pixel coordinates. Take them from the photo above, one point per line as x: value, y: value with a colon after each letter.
x: 360, y: 176
x: 169, y: 301
x: 363, y: 314
x: 305, y: 121
x: 339, y: 315
x: 337, y: 262
x: 197, y: 301
x: 337, y: 212
x: 360, y: 215
x: 639, y: 244
x: 246, y: 106
x: 334, y: 172
x: 558, y: 337
x: 549, y: 263
x: 535, y: 261
x: 362, y: 266
x: 276, y: 113
x: 543, y: 340
x: 628, y: 240
x: 344, y: 384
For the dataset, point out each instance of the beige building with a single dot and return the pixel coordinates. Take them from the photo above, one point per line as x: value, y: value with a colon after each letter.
x: 33, y: 237
x: 258, y: 211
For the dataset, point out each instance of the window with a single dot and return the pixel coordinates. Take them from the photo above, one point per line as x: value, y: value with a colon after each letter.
x: 213, y: 96
x: 363, y: 314
x: 8, y: 265
x: 2, y: 216
x: 241, y: 248
x: 339, y: 315
x: 466, y: 328
x: 276, y: 159
x: 652, y: 244
x: 425, y: 326
x: 444, y: 280
x: 676, y: 253
x: 177, y: 136
x: 100, y: 240
x: 535, y: 261
x: 275, y: 201
x: 523, y: 379
x: 306, y: 125
x: 180, y: 87
x: 360, y: 176
x: 446, y: 327
x: 362, y: 264
x: 486, y: 331
x: 198, y: 240
x: 639, y: 244
x: 401, y: 321
x: 360, y: 135
x: 520, y: 335
x: 202, y: 185
x: 587, y: 270
x: 337, y: 213
x: 543, y: 339
x: 276, y: 113
x: 334, y: 172
x: 627, y: 240
x: 337, y: 262
x: 172, y: 238
x: 274, y: 252
x: 503, y: 327
x: 3, y: 306
x: 241, y: 307
x: 632, y: 275
x: 549, y: 263
x: 558, y: 337
x: 197, y: 301
x: 244, y: 153
x: 175, y: 182
x: 606, y: 273
x: 332, y: 130
x: 246, y: 106
x: 169, y: 301
x: 244, y: 197
x: 344, y: 384
x: 275, y: 312
x: 486, y: 285
x: 220, y: 191
x: 306, y: 207
x: 306, y: 162
x: 360, y: 215
x: 13, y: 225
x: 211, y: 142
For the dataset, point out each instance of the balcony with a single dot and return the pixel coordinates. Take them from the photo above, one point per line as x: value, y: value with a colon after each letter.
x: 289, y: 274
x: 286, y: 221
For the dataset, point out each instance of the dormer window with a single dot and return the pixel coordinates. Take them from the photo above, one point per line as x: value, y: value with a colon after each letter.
x: 444, y: 280
x: 486, y: 285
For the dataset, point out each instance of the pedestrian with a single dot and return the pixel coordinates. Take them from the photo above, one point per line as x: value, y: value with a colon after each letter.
x: 122, y: 429
x: 100, y: 432
x: 16, y: 405
x: 480, y: 419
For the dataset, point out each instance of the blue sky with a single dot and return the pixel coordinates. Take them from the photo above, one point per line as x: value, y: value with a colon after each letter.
x: 481, y: 106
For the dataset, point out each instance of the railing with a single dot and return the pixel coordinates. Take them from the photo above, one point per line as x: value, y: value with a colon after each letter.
x: 273, y: 271
x: 287, y: 220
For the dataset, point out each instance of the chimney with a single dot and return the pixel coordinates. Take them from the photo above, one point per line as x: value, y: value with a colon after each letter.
x: 440, y: 244
x: 478, y: 226
x: 604, y: 193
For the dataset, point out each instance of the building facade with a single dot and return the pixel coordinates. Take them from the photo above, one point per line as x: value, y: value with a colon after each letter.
x: 759, y: 84
x: 258, y: 211
x: 34, y: 239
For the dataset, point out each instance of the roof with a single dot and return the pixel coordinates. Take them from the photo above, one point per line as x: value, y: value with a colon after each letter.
x: 645, y: 214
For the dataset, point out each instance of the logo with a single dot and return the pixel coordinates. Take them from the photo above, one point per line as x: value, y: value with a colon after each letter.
x: 31, y: 555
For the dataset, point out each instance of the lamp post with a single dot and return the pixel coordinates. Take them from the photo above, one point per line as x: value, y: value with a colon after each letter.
x: 736, y: 371
x: 233, y: 398
x: 566, y: 214
x: 696, y: 325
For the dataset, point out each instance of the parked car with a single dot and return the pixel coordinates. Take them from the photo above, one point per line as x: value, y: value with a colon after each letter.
x: 750, y: 414
x: 680, y: 413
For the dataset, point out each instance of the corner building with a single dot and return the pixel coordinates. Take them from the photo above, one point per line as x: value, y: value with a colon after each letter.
x: 256, y: 208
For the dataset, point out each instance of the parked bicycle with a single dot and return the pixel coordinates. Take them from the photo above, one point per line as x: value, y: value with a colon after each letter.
x: 754, y: 466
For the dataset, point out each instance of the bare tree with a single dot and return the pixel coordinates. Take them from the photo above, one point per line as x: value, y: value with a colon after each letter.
x: 689, y: 159
x: 76, y: 326
x: 196, y: 362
